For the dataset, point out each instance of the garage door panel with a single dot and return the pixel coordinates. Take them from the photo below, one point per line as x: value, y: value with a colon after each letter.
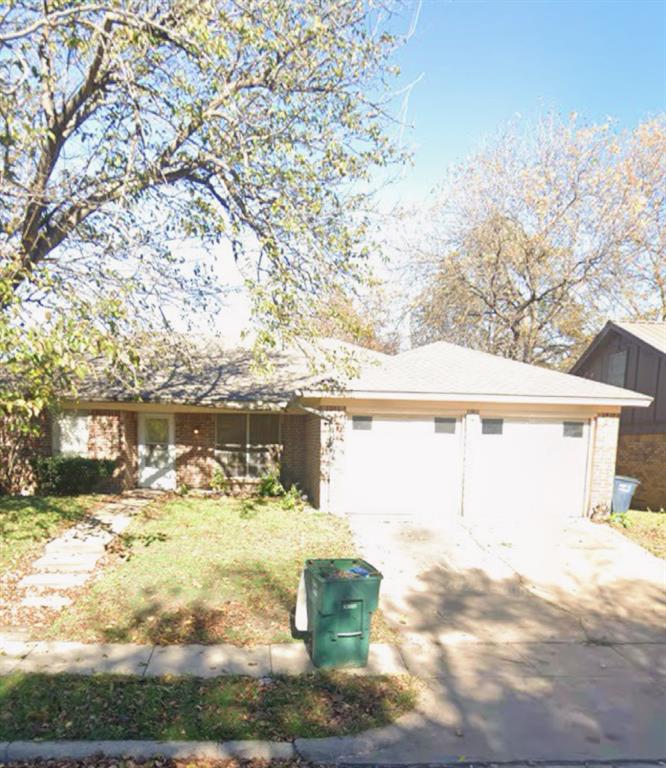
x: 534, y: 470
x: 404, y: 466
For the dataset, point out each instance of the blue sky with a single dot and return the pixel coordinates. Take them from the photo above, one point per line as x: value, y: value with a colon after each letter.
x: 485, y: 62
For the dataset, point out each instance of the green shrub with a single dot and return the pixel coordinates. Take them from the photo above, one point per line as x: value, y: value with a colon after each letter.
x: 71, y: 475
x: 219, y: 482
x: 293, y: 498
x: 270, y: 486
x: 621, y: 518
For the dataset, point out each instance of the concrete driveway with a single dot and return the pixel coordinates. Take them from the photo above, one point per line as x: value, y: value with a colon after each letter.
x: 545, y: 644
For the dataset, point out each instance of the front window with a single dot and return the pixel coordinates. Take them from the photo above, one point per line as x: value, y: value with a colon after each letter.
x: 70, y: 433
x: 248, y: 444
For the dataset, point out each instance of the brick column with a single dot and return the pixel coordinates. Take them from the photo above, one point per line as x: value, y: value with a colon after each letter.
x: 331, y: 467
x: 602, y: 469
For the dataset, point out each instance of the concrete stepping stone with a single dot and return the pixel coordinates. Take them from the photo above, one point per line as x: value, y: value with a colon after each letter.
x: 137, y: 503
x: 73, y: 547
x: 115, y: 523
x: 66, y: 563
x: 96, y: 536
x: 210, y: 661
x: 54, y: 580
x: 55, y: 602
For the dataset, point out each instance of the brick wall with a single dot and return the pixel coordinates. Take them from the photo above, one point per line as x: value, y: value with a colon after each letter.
x: 293, y: 451
x: 113, y: 435
x: 644, y: 457
x: 195, y: 449
x: 602, y: 471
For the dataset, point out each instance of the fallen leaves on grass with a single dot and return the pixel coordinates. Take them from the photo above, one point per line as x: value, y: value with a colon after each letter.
x: 223, y: 708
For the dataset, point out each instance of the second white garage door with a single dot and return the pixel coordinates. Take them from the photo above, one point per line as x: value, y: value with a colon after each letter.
x: 404, y: 466
x: 526, y: 470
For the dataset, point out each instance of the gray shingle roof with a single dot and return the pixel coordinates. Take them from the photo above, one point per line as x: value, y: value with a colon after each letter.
x: 203, y: 372
x: 206, y: 374
x: 447, y: 369
x: 653, y: 333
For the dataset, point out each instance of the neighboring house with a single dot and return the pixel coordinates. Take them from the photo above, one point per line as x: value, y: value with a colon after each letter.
x: 633, y: 355
x: 434, y: 433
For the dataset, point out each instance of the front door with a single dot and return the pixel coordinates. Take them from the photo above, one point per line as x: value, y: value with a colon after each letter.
x: 157, y: 455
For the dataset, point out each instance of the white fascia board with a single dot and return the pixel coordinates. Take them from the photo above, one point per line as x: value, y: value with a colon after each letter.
x: 470, y: 397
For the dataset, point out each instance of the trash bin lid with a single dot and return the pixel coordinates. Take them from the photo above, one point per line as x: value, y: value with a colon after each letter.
x: 625, y: 479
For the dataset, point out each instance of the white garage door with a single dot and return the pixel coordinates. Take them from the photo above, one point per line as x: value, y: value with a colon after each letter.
x: 404, y: 466
x: 527, y: 470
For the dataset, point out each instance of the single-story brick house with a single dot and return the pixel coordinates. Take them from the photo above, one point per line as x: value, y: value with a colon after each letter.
x: 436, y: 432
x: 633, y: 355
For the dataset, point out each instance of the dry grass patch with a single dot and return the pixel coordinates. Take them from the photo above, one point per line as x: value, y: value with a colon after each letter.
x: 645, y: 528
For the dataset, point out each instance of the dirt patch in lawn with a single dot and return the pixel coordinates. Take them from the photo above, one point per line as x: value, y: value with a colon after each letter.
x: 645, y: 528
x: 206, y: 571
x: 224, y: 708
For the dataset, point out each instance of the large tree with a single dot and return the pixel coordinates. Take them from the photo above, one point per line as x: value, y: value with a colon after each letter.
x: 130, y: 126
x: 540, y: 236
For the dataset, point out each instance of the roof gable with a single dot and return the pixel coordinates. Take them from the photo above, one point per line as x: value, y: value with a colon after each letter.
x: 651, y: 333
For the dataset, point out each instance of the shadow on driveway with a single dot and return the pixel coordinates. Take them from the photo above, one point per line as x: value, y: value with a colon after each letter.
x: 530, y: 650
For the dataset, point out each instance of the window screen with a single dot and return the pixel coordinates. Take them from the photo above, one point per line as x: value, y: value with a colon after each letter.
x: 70, y: 433
x: 362, y: 422
x: 445, y: 426
x: 264, y: 429
x: 231, y: 430
x: 264, y: 449
x: 573, y: 429
x: 255, y: 457
x: 492, y: 426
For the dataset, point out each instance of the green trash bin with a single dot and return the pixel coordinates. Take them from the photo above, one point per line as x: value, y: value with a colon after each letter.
x: 342, y: 595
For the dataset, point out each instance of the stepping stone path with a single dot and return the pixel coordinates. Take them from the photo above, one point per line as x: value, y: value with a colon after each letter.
x: 69, y: 561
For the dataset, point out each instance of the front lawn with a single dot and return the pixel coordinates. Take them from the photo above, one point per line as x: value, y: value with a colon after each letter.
x: 645, y: 528
x: 27, y: 522
x: 223, y: 708
x: 206, y: 571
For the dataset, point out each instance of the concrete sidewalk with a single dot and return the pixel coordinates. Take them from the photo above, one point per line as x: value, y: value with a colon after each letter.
x: 55, y: 657
x: 480, y: 702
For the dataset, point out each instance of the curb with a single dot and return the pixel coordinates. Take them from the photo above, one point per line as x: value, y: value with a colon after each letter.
x: 16, y: 751
x: 210, y: 750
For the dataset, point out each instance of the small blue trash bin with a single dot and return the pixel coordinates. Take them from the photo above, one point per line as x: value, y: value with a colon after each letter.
x: 623, y: 491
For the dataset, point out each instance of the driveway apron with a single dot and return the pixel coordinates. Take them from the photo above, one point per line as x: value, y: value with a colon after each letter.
x: 538, y: 646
